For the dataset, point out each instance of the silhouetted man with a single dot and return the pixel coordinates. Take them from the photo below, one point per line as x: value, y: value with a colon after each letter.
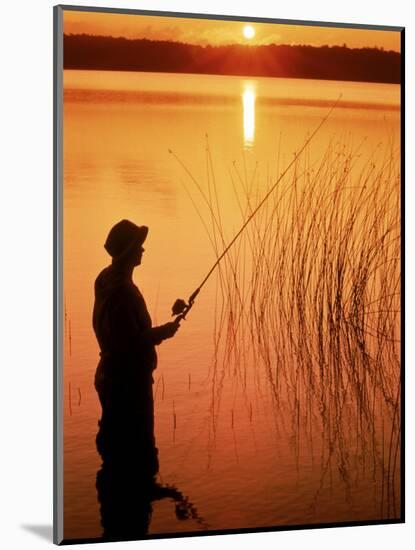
x: 127, y: 342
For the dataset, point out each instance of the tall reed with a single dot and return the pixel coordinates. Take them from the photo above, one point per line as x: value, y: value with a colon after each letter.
x: 309, y: 299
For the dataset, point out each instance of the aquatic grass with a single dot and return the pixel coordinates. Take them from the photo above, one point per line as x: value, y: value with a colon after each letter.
x: 308, y: 299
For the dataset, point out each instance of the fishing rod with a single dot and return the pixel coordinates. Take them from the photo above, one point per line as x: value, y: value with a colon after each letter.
x: 180, y: 308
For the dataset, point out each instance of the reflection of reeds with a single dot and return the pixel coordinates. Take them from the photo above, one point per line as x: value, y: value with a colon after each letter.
x: 159, y: 380
x: 67, y: 328
x: 309, y: 296
x: 70, y: 337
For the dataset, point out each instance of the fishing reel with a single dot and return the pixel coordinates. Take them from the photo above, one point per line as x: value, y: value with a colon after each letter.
x: 180, y: 308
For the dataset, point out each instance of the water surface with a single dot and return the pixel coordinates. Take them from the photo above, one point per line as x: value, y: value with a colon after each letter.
x: 235, y: 455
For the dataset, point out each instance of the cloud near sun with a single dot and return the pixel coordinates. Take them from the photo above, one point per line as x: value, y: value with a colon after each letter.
x: 217, y: 32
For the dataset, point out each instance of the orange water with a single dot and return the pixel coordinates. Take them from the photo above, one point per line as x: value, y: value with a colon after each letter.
x: 244, y: 470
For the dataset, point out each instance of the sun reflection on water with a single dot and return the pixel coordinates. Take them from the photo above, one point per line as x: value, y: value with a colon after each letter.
x: 248, y: 99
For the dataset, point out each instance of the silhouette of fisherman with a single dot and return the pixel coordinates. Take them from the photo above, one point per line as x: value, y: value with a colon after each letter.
x: 127, y: 341
x: 126, y: 481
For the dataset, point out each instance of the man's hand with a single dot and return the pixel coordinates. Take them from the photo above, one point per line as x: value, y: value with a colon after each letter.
x: 169, y: 329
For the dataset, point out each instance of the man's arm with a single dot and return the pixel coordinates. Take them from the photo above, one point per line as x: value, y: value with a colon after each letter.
x: 126, y: 332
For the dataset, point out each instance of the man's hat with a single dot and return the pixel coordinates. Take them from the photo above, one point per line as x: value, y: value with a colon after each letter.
x: 123, y: 236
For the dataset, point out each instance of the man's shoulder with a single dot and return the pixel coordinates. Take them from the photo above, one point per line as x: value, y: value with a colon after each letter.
x: 101, y: 275
x: 102, y: 279
x: 110, y: 280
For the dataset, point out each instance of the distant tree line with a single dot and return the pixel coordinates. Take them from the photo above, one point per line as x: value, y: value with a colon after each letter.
x: 325, y: 62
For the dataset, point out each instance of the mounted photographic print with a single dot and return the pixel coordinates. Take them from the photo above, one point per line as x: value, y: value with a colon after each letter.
x: 228, y: 258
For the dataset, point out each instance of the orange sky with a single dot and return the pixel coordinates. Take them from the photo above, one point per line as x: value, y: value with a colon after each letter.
x: 216, y: 32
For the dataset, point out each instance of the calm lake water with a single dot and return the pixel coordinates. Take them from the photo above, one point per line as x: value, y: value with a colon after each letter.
x: 235, y: 456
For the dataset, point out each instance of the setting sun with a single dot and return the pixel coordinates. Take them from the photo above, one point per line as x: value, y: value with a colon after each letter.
x: 249, y: 32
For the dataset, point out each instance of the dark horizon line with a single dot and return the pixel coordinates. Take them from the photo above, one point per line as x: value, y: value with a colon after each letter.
x: 243, y: 45
x: 84, y: 51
